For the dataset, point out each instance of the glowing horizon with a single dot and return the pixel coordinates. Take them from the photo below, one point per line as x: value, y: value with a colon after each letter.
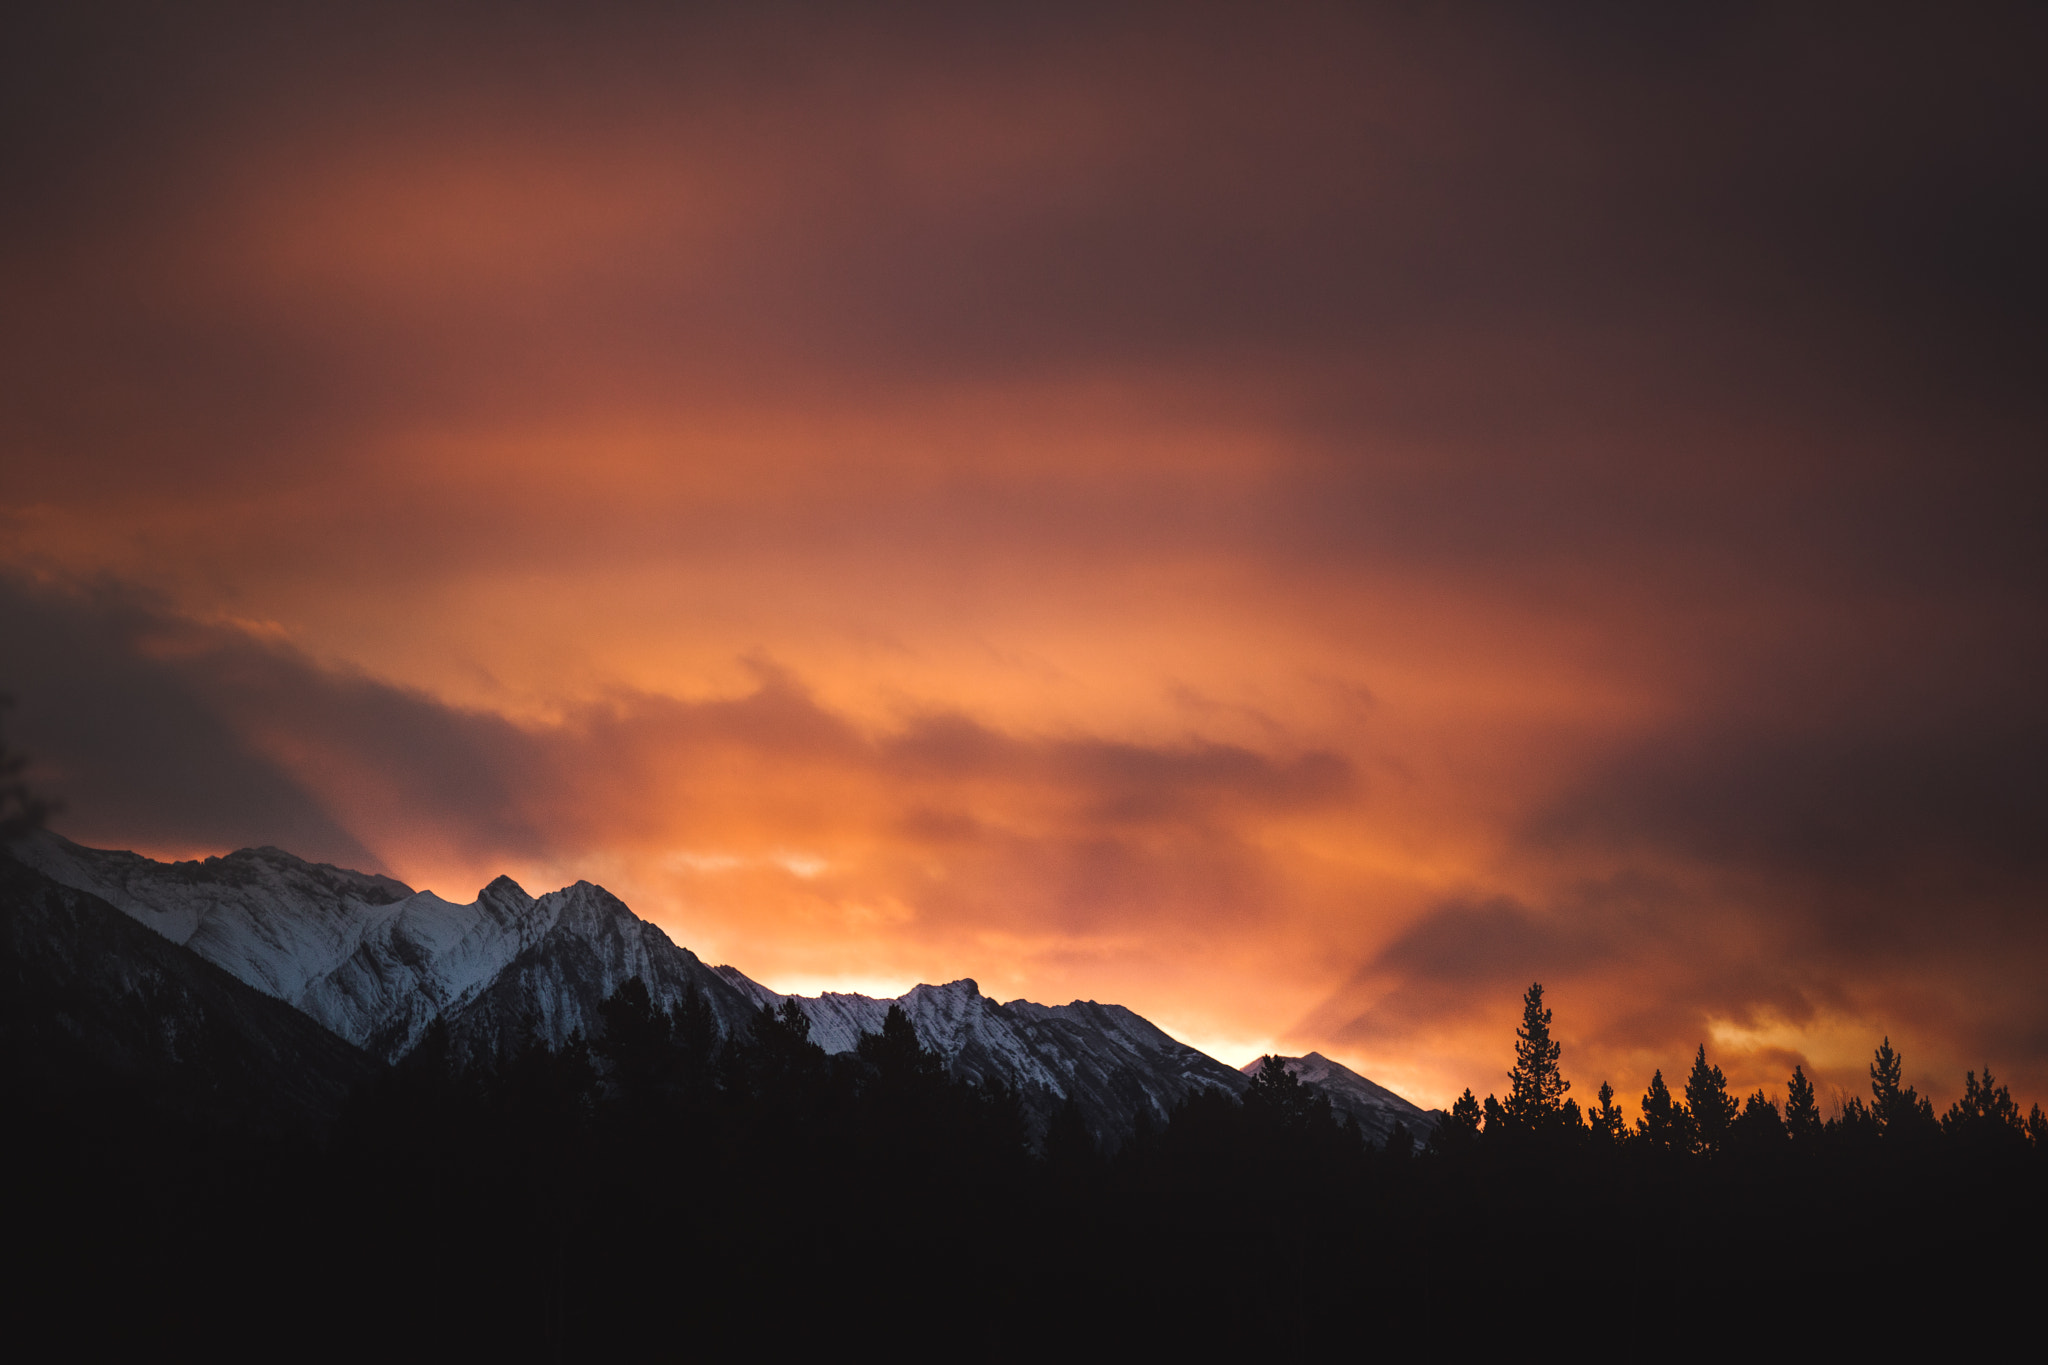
x: 1298, y: 527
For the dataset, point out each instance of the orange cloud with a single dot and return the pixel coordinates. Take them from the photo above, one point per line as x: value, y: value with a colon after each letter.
x: 1300, y: 526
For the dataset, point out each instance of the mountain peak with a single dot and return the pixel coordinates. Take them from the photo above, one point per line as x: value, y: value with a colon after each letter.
x: 374, y: 962
x: 1372, y: 1106
x: 504, y: 888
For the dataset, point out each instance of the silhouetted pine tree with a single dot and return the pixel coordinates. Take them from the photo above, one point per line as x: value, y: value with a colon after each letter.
x: 642, y: 1068
x: 1665, y: 1125
x: 694, y: 1030
x: 1985, y: 1119
x: 1898, y: 1111
x: 1457, y: 1132
x: 776, y: 1065
x: 1802, y: 1110
x: 912, y: 1114
x: 1536, y: 1087
x: 1609, y: 1124
x: 1708, y: 1101
x: 902, y: 1065
x: 1759, y: 1129
x: 1277, y: 1101
x: 1853, y: 1129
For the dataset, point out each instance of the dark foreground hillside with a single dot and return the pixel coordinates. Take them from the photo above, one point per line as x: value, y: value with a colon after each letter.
x: 653, y: 1190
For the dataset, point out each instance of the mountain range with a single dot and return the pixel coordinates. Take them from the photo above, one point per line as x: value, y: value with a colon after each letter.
x: 373, y: 963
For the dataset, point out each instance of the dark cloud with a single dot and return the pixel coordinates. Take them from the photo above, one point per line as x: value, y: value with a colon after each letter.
x: 1468, y: 955
x: 1924, y: 801
x: 1679, y: 368
x: 1767, y: 203
x: 1772, y: 866
x: 159, y: 730
x: 131, y: 746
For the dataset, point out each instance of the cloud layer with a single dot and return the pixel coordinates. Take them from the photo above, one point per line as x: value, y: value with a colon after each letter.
x: 1299, y: 522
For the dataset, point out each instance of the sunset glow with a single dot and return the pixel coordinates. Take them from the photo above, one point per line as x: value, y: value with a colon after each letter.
x: 1294, y: 522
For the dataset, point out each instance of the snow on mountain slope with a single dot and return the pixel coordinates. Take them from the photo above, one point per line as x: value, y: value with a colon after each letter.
x: 1374, y: 1108
x: 368, y: 957
x: 592, y: 945
x: 377, y: 963
x: 96, y: 1001
x: 284, y: 919
x: 1112, y: 1061
x: 426, y: 960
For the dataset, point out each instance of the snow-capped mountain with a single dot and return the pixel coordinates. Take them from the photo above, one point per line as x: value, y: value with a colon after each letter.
x: 1111, y: 1061
x: 1374, y: 1108
x: 99, y: 1008
x: 376, y: 963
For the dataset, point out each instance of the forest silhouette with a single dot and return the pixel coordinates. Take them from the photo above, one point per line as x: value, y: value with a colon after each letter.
x: 660, y: 1186
x: 655, y: 1183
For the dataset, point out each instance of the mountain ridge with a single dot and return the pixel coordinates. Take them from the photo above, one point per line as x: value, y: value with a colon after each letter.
x: 1110, y: 1059
x: 375, y: 962
x: 1373, y: 1107
x: 95, y: 1005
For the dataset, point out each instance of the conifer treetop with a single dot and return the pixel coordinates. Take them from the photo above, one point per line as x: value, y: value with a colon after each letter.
x: 1536, y: 1086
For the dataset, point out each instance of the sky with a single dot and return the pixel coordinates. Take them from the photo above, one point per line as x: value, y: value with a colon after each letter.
x: 1299, y: 520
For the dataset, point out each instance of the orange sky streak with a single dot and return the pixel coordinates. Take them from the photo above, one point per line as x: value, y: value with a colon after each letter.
x: 1299, y: 532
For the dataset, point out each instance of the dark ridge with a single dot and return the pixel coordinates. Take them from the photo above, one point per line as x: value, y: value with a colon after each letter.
x: 94, y: 1000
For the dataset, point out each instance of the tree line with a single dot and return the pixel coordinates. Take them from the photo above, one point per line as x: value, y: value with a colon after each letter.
x: 656, y: 1184
x: 1706, y: 1122
x: 1270, y: 1188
